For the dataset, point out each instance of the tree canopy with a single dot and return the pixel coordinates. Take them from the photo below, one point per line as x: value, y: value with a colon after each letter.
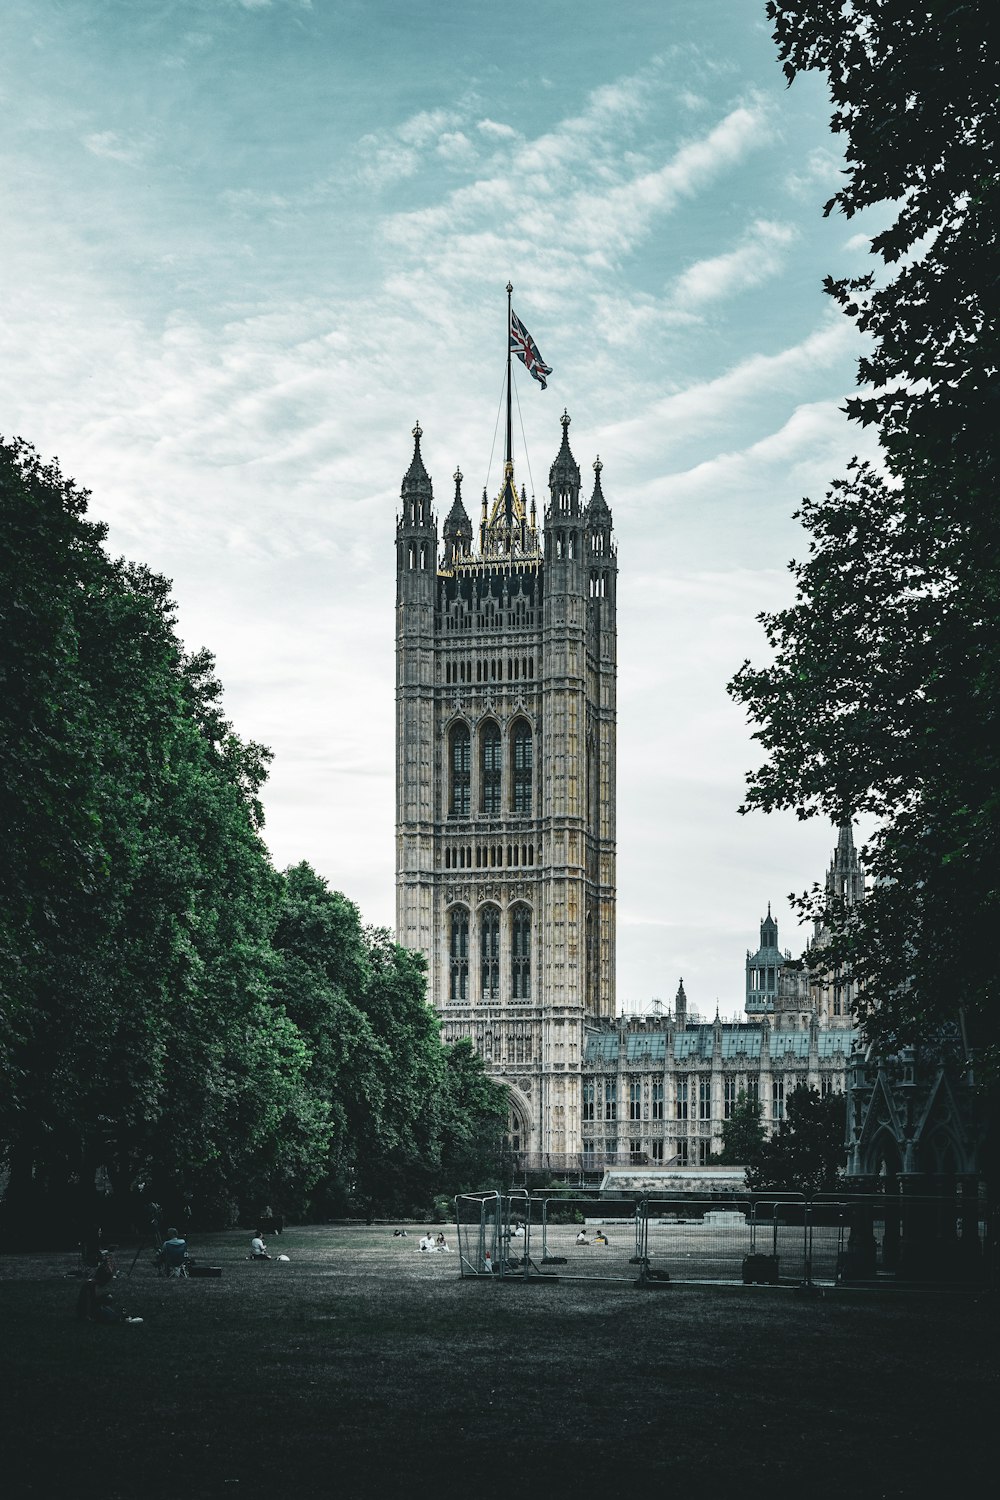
x: 882, y: 696
x: 742, y: 1134
x: 175, y: 1012
x: 806, y: 1154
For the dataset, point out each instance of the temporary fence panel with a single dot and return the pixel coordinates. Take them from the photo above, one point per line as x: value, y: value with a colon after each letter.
x: 587, y: 1239
x: 478, y: 1219
x: 697, y: 1240
x: 881, y: 1238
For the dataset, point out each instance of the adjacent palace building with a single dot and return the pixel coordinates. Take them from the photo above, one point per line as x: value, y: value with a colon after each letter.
x: 505, y: 845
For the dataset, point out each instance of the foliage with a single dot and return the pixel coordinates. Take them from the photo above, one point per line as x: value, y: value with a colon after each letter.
x: 475, y: 1119
x: 807, y: 1152
x: 175, y: 1014
x: 882, y: 696
x: 742, y: 1134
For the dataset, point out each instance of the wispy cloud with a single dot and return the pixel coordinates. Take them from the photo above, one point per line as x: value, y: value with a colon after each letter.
x: 586, y: 203
x: 115, y: 147
x: 391, y: 156
x: 759, y: 256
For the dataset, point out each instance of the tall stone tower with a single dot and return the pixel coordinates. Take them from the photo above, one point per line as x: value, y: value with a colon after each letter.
x: 505, y: 777
x: 837, y: 991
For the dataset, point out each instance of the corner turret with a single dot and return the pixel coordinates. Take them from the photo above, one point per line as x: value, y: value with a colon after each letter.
x: 457, y: 530
x: 416, y: 532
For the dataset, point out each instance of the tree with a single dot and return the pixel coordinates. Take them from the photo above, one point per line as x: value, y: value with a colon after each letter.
x: 137, y: 897
x: 474, y: 1119
x: 742, y: 1133
x: 173, y: 1011
x: 807, y: 1152
x: 884, y: 689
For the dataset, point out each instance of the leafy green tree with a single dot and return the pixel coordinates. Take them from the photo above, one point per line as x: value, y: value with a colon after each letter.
x: 473, y: 1125
x: 807, y: 1152
x: 174, y: 1012
x: 742, y: 1134
x: 399, y: 1149
x: 138, y: 898
x: 883, y: 694
x: 320, y: 976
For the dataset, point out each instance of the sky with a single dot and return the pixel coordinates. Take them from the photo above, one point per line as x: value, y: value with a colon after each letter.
x: 247, y: 244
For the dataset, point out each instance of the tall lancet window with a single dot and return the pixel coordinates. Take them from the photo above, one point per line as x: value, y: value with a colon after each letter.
x: 459, y: 989
x: 520, y: 952
x: 461, y: 766
x: 520, y: 755
x: 489, y: 952
x: 491, y: 770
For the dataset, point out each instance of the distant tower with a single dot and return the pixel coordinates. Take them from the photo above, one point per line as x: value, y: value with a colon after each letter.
x: 505, y: 778
x: 845, y: 888
x: 763, y: 970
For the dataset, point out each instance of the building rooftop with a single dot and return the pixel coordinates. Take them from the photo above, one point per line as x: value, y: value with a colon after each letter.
x: 696, y: 1044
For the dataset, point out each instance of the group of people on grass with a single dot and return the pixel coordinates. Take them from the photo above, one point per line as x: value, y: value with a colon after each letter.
x: 430, y: 1241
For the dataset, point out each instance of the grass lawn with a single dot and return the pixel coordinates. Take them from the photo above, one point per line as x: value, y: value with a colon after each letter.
x: 361, y: 1367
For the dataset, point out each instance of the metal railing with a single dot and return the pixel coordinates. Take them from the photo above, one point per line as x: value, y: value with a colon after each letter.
x: 875, y: 1240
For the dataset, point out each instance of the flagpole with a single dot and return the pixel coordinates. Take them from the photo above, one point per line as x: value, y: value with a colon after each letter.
x: 509, y: 458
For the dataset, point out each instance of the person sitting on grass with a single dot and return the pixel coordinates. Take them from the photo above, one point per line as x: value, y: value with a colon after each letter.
x: 441, y: 1243
x: 600, y: 1238
x: 173, y: 1254
x: 581, y: 1238
x: 258, y: 1250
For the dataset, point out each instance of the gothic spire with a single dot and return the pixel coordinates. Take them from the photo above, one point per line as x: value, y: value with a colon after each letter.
x: 598, y: 512
x: 457, y: 529
x: 565, y: 470
x: 416, y: 479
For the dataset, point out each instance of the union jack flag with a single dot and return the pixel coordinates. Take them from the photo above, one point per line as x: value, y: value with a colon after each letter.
x: 524, y: 346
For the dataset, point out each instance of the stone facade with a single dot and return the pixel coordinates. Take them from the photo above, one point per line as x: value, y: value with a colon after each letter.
x: 658, y: 1090
x: 505, y: 845
x: 505, y: 778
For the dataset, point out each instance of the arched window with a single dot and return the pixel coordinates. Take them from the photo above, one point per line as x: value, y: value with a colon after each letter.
x: 489, y: 952
x: 520, y: 767
x: 517, y: 1130
x: 461, y: 766
x: 490, y: 768
x: 459, y: 954
x: 520, y: 952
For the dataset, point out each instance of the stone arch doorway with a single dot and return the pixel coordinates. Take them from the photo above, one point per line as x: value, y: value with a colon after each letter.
x: 517, y: 1135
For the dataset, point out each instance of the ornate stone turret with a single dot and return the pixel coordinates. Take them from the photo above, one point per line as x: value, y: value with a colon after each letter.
x: 680, y: 1007
x: 564, y: 477
x: 416, y: 531
x: 457, y: 529
x: 836, y: 989
x: 845, y: 879
x: 763, y: 969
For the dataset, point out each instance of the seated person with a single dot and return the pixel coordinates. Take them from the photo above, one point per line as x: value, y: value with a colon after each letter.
x: 258, y: 1250
x: 427, y: 1241
x: 173, y: 1254
x: 581, y: 1238
x: 600, y: 1238
x: 441, y: 1243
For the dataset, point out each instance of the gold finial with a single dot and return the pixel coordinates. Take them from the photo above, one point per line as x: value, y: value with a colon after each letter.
x: 458, y: 476
x: 598, y: 466
x: 509, y: 288
x: 565, y: 418
x: 418, y: 431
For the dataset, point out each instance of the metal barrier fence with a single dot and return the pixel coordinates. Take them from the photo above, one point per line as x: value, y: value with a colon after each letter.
x: 874, y: 1240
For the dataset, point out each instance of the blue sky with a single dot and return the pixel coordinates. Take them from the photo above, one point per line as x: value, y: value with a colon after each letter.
x: 247, y: 243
